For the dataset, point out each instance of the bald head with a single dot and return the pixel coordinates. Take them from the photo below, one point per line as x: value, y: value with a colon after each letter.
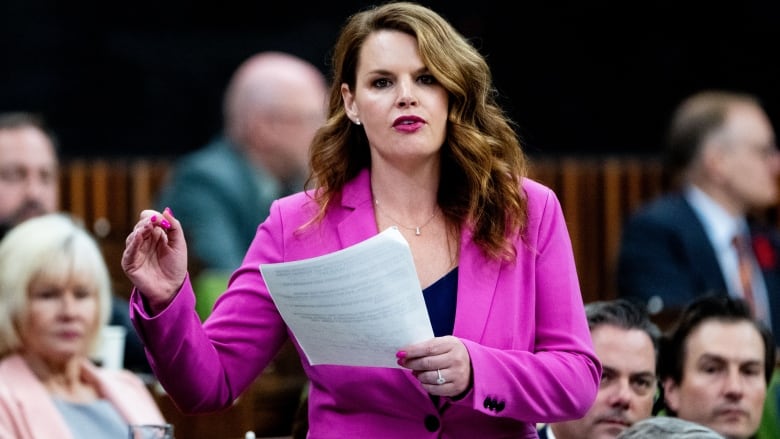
x: 273, y: 105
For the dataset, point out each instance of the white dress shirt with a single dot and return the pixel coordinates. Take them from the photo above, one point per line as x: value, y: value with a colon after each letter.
x: 721, y: 227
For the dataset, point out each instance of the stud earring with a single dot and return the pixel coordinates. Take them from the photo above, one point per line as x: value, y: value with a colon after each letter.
x: 357, y: 121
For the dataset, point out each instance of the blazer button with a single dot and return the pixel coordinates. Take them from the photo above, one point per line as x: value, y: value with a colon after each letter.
x: 490, y: 403
x: 432, y: 423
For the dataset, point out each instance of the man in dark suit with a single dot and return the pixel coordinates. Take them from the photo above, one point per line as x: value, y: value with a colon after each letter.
x: 272, y: 107
x: 626, y: 342
x: 722, y: 156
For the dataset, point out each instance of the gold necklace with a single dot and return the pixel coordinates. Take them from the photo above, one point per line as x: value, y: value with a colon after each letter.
x: 417, y: 229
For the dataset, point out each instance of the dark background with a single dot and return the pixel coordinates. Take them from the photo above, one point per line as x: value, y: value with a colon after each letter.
x: 146, y: 78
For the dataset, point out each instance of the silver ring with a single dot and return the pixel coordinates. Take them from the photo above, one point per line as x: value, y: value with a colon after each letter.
x: 440, y: 380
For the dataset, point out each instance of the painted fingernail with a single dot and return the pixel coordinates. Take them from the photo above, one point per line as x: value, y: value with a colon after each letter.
x: 400, y: 362
x: 153, y: 218
x: 165, y: 224
x: 169, y: 211
x: 400, y: 355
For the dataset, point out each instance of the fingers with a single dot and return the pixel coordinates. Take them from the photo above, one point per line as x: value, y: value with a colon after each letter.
x: 435, y: 377
x: 163, y: 220
x: 146, y: 214
x: 131, y: 248
x: 150, y: 229
x: 443, y: 382
x: 422, y: 353
x: 442, y: 365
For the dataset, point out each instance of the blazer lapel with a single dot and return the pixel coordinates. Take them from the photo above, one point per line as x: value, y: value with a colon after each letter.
x: 477, y: 279
x: 477, y: 275
x: 356, y: 221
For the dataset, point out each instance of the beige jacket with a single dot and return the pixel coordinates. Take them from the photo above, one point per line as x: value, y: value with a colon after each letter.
x: 28, y: 412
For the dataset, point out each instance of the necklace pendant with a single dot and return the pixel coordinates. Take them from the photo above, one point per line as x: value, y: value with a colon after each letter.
x: 417, y: 231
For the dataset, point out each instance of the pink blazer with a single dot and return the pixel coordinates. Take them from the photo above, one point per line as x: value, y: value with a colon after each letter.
x: 28, y: 412
x: 523, y: 324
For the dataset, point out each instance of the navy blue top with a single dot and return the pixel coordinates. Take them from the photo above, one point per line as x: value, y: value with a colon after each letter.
x: 440, y: 299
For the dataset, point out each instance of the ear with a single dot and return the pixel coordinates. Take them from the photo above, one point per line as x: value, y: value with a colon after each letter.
x: 671, y: 394
x: 715, y: 157
x: 349, y: 102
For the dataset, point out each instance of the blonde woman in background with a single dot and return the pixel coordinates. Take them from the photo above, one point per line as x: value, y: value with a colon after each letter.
x: 54, y: 298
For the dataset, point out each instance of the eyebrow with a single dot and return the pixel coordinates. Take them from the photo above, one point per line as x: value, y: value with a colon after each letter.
x: 382, y: 71
x: 644, y: 373
x: 721, y: 359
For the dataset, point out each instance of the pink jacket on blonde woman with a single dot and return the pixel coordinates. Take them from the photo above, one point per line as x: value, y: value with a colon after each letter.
x: 523, y: 324
x: 27, y: 410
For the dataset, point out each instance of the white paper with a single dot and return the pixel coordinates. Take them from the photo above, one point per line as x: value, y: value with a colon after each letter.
x: 357, y: 306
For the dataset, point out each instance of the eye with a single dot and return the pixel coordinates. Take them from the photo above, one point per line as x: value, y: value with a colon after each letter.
x: 643, y: 384
x: 49, y: 177
x: 45, y: 294
x: 427, y: 80
x: 710, y: 368
x: 381, y: 83
x: 12, y: 175
x: 753, y: 370
x: 83, y: 292
x: 606, y: 378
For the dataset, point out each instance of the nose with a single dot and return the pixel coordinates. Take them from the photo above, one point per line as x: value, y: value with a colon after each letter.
x: 67, y: 304
x: 621, y: 393
x: 733, y: 387
x: 36, y: 186
x: 406, y: 95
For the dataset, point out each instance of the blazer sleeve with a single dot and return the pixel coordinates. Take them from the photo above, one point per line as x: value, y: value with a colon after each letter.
x: 548, y: 370
x: 205, y: 367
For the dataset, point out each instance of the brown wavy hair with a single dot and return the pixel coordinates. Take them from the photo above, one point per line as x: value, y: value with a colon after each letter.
x: 482, y: 162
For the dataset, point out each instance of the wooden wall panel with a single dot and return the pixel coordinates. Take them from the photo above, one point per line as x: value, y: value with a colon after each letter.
x: 596, y: 193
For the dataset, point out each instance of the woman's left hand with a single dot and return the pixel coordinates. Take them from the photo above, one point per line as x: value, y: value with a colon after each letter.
x: 442, y: 365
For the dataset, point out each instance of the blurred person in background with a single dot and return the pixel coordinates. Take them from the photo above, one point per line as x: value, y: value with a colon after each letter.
x: 722, y: 158
x: 626, y: 343
x: 30, y: 186
x: 29, y: 169
x: 272, y: 107
x: 55, y: 296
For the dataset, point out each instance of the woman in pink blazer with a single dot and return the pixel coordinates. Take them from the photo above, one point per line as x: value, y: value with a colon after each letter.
x: 414, y: 140
x: 55, y: 295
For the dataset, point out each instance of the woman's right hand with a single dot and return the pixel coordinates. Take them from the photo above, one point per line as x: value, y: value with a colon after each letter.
x: 155, y: 257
